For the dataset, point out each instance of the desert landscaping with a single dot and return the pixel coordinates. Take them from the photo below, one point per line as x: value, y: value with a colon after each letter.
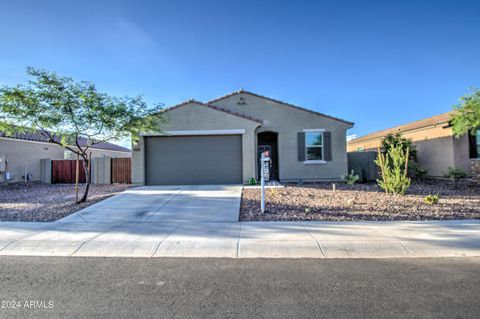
x: 359, y: 202
x: 48, y: 202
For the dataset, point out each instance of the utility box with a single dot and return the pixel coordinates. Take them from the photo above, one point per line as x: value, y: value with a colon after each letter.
x: 3, y: 162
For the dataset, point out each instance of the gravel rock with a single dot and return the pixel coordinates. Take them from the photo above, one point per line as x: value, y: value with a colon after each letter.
x: 362, y: 202
x: 48, y: 202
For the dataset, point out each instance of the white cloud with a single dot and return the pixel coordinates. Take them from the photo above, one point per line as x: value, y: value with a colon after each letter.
x: 134, y: 35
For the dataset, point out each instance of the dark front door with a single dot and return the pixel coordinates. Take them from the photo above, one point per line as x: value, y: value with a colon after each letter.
x: 268, y: 141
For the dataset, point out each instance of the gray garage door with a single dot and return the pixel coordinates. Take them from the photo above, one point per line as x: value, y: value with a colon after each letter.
x: 189, y: 160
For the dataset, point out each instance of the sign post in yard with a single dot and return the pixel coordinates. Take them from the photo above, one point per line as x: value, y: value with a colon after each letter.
x: 264, y: 160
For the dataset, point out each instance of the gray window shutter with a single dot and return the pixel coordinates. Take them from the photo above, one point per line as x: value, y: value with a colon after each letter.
x: 327, y: 144
x: 301, y: 146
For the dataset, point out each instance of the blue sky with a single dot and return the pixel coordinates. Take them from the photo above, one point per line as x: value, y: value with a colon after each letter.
x: 377, y: 63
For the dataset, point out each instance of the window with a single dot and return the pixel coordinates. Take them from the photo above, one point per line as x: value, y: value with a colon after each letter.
x: 314, y: 146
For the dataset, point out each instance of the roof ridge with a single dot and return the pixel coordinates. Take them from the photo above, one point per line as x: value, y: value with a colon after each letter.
x: 214, y: 107
x: 358, y: 139
x: 280, y: 102
x: 37, y: 135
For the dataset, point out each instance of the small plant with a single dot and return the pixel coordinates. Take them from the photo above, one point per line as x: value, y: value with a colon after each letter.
x: 455, y: 173
x: 394, y: 170
x: 350, y: 179
x: 252, y: 181
x: 431, y: 199
x: 273, y: 191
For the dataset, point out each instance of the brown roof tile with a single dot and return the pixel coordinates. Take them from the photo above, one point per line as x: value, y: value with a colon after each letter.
x: 440, y: 119
x: 40, y: 136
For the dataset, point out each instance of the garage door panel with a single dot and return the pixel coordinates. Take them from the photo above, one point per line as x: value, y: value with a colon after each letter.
x: 193, y: 160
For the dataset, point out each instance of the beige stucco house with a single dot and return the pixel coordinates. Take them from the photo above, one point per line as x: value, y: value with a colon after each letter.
x: 22, y: 152
x: 220, y: 142
x: 437, y: 148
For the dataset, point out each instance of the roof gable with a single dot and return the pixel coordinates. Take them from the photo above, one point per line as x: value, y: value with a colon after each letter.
x: 216, y: 108
x: 241, y: 91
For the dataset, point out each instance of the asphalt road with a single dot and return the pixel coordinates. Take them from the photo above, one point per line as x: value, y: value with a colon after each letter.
x: 222, y: 288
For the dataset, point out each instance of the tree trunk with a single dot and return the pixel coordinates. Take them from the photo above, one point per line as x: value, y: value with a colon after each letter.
x: 88, y: 178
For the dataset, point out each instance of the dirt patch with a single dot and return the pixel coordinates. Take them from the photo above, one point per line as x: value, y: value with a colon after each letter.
x: 362, y: 202
x: 45, y: 202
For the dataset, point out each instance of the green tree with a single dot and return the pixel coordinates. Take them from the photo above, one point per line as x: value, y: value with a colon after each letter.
x: 64, y: 111
x: 393, y: 140
x: 466, y: 118
x: 396, y: 139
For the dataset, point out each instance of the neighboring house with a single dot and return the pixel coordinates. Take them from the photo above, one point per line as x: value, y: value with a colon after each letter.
x: 22, y: 152
x: 437, y: 148
x: 219, y: 142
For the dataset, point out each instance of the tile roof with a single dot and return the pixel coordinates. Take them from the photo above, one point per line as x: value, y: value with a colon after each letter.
x: 440, y: 119
x: 214, y: 108
x: 39, y: 136
x: 241, y: 91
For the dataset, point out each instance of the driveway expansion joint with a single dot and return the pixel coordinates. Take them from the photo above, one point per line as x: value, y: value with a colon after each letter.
x: 163, y: 240
x: 163, y: 205
x: 318, y: 243
x: 406, y: 248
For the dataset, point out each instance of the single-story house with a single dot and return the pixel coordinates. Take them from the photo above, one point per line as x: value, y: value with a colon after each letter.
x: 21, y: 152
x: 220, y: 142
x: 437, y: 148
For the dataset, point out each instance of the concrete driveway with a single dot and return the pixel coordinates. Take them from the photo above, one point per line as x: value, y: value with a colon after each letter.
x: 150, y: 204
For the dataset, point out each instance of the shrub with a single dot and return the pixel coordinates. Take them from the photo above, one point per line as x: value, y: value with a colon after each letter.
x: 431, y: 199
x: 392, y: 140
x: 455, y: 173
x: 252, y: 181
x: 419, y: 173
x: 350, y: 179
x: 393, y: 169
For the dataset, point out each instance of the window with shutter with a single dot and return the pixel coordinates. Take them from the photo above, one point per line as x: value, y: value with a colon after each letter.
x: 317, y: 146
x: 314, y: 146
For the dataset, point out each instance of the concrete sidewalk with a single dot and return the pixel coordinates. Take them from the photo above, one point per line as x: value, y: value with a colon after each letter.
x: 244, y: 239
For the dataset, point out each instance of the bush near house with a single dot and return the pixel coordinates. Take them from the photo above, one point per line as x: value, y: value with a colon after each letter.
x: 392, y: 140
x: 455, y: 173
x: 350, y: 178
x: 393, y: 169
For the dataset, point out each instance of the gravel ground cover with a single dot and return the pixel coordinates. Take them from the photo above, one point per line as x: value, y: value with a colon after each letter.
x: 362, y: 202
x: 45, y: 202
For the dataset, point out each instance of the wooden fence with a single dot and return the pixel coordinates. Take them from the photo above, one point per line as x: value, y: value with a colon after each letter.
x: 121, y: 170
x: 63, y: 171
